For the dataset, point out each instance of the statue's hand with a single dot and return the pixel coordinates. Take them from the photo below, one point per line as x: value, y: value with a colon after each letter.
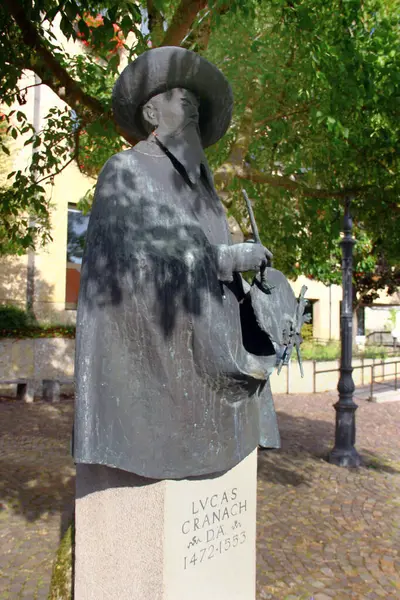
x: 240, y: 258
x: 249, y: 257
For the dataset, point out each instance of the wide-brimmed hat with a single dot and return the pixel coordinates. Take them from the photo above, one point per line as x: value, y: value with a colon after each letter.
x: 163, y: 69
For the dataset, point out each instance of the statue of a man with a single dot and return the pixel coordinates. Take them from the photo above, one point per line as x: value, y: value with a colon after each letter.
x: 166, y: 384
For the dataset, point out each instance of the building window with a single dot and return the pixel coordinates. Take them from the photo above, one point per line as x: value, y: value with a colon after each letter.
x: 308, y: 330
x: 309, y: 310
x: 77, y: 227
x: 361, y: 320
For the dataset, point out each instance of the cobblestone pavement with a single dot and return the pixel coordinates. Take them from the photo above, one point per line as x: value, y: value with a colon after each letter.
x: 323, y: 532
x: 36, y: 493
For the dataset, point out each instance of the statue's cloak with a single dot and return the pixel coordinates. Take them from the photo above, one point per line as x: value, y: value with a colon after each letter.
x: 165, y: 387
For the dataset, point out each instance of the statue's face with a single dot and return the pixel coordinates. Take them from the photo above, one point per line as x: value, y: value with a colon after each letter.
x: 172, y: 111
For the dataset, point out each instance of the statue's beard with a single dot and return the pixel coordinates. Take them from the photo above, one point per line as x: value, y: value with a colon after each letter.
x: 186, y: 147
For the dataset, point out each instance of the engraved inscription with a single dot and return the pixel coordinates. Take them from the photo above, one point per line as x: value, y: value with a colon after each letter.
x: 213, y: 527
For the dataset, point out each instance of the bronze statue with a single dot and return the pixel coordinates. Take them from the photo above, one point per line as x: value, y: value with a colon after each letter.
x: 172, y: 362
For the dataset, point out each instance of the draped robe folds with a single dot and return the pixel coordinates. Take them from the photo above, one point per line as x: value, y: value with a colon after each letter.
x: 164, y: 385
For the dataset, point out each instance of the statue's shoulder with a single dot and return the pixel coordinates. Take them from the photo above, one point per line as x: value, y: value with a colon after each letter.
x: 137, y: 155
x: 121, y: 159
x: 136, y: 160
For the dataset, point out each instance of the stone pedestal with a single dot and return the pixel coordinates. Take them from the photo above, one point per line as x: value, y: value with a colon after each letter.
x: 140, y: 539
x: 51, y: 390
x: 26, y: 391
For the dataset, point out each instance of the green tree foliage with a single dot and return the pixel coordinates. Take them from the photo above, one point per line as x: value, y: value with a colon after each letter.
x: 316, y: 116
x: 318, y: 104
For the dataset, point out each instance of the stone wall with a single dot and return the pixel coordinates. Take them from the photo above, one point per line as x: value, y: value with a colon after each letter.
x: 42, y: 358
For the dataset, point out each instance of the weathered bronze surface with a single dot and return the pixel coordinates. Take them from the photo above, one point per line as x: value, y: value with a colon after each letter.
x: 172, y: 363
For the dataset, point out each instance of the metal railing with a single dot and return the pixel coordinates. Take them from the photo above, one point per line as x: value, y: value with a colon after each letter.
x: 380, y: 338
x: 374, y: 381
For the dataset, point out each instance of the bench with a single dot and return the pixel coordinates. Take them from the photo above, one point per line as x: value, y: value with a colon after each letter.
x: 26, y: 388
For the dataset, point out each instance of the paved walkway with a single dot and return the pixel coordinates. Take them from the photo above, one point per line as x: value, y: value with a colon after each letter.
x: 36, y: 493
x: 364, y: 392
x: 323, y: 532
x: 326, y: 532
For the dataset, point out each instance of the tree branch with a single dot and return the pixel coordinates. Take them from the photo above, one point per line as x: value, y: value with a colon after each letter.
x: 250, y: 174
x: 58, y: 171
x: 48, y: 68
x: 182, y: 21
x: 155, y: 23
x: 237, y: 155
x: 20, y: 93
x: 282, y: 115
x: 199, y: 37
x: 74, y: 156
x: 374, y: 159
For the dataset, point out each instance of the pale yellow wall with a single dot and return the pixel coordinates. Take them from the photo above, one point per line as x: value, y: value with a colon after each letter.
x: 21, y: 154
x: 326, y: 309
x: 13, y: 269
x: 13, y: 280
x: 50, y: 262
x: 69, y: 187
x: 378, y: 318
x: 384, y: 298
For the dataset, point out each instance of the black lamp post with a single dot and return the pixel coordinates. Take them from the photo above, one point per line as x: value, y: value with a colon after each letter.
x: 344, y: 453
